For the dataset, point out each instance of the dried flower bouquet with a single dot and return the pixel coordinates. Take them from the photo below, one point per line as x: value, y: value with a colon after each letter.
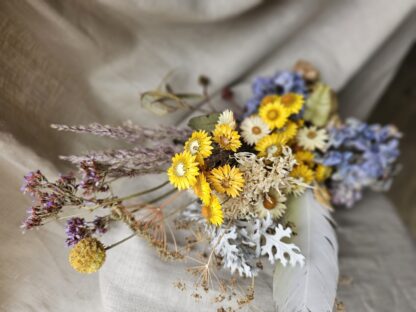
x: 259, y: 189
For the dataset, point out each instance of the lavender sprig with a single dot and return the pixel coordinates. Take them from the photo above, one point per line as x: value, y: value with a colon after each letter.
x: 123, y: 163
x: 129, y: 132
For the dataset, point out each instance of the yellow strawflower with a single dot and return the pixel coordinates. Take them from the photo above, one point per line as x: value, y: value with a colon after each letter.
x: 184, y: 170
x: 226, y: 137
x: 227, y: 179
x: 87, y: 256
x: 302, y: 172
x: 274, y: 114
x: 292, y: 102
x: 269, y: 99
x: 213, y: 211
x: 322, y: 173
x: 270, y: 145
x: 288, y: 132
x: 303, y: 156
x: 202, y: 189
x: 199, y: 144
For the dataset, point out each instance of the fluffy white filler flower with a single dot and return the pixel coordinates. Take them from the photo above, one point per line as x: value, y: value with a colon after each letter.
x: 311, y: 138
x: 260, y: 178
x: 253, y: 129
x: 227, y: 118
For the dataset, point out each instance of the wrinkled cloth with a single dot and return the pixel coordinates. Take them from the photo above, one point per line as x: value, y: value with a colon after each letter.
x: 78, y: 62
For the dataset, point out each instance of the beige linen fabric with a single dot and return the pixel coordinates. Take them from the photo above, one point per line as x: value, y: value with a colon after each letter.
x: 79, y: 62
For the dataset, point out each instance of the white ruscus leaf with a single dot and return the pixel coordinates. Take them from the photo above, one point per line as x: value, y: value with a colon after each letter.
x: 311, y: 288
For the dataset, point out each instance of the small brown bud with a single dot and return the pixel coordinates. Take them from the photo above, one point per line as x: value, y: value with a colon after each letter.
x: 307, y: 70
x: 204, y: 81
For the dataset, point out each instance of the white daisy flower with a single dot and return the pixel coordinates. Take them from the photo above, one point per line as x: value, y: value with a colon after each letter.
x: 253, y: 129
x: 227, y: 118
x: 273, y: 203
x: 311, y: 138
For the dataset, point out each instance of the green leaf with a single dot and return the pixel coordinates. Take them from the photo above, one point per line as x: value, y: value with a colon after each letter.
x: 320, y: 105
x: 206, y: 122
x: 161, y: 103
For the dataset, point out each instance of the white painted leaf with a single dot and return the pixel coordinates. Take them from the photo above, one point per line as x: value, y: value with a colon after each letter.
x: 311, y: 288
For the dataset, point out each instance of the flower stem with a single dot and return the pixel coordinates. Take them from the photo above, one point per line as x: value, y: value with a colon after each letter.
x: 154, y: 200
x: 121, y: 241
x: 144, y: 192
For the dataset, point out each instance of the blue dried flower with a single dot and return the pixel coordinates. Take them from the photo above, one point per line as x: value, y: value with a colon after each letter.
x: 281, y: 83
x: 362, y: 156
x: 287, y: 81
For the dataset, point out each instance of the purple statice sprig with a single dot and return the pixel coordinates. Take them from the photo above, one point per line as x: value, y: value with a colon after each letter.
x: 78, y: 228
x: 281, y: 83
x: 48, y: 197
x: 362, y: 156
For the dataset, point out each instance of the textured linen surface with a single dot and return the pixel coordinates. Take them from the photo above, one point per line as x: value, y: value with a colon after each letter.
x: 84, y: 61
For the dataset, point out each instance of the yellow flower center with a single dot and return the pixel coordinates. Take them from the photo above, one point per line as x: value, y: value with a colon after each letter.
x: 224, y: 141
x: 194, y: 147
x: 180, y: 170
x: 272, y: 114
x: 288, y: 99
x: 225, y: 183
x: 270, y: 202
x: 312, y: 134
x: 256, y: 130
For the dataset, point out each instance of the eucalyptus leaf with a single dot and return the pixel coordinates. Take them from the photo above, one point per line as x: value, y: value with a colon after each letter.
x: 206, y: 122
x: 320, y: 105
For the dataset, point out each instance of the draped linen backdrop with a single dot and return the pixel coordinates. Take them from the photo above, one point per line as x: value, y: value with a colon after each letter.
x: 80, y: 61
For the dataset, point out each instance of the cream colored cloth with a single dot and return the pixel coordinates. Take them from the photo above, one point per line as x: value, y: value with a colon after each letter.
x: 78, y: 62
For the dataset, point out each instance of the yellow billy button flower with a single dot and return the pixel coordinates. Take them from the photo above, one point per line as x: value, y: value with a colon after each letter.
x: 213, y: 211
x: 199, y: 144
x: 184, y: 170
x: 87, y: 256
x: 274, y: 114
x: 226, y: 137
x: 322, y: 173
x: 202, y: 189
x: 227, y: 179
x: 270, y: 145
x: 292, y: 102
x: 302, y: 172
